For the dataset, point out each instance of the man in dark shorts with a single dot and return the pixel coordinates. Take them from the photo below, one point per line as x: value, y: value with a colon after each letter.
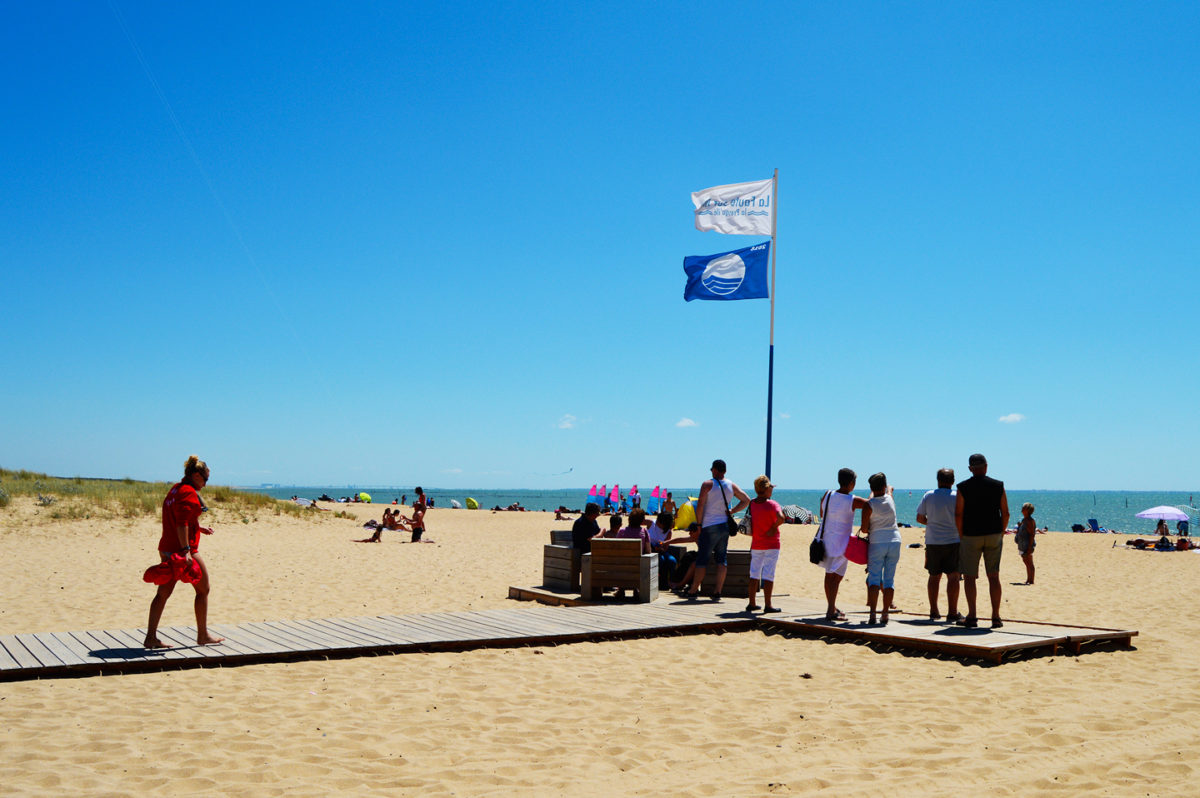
x: 585, y: 528
x: 981, y: 515
x: 936, y: 514
x: 417, y: 522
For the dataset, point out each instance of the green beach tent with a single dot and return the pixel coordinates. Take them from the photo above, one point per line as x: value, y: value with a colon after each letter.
x: 472, y: 504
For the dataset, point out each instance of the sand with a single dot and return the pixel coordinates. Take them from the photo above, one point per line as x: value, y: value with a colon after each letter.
x: 734, y: 714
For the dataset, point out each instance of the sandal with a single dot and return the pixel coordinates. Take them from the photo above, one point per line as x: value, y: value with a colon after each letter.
x: 772, y: 609
x: 835, y: 616
x: 752, y: 608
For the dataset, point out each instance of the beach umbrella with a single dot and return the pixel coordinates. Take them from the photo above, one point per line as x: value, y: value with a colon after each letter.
x: 795, y: 512
x: 454, y: 503
x: 472, y: 504
x: 1164, y: 513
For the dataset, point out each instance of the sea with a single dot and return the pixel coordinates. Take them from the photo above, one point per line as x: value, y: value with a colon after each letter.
x: 1114, y: 510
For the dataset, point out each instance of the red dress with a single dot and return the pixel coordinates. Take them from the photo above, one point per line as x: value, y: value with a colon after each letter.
x: 181, y: 507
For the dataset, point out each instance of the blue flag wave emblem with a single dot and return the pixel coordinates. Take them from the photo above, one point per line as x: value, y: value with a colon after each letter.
x: 740, y: 274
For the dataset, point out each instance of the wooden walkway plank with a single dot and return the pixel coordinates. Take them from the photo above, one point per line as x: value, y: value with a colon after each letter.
x: 446, y: 630
x: 397, y: 631
x: 272, y: 630
x: 183, y: 642
x: 17, y: 651
x: 138, y: 636
x: 353, y: 637
x: 46, y: 657
x: 486, y: 628
x: 69, y: 648
x: 534, y: 625
x: 418, y: 634
x: 371, y: 637
x: 114, y: 648
x: 7, y: 662
x: 249, y: 639
x: 568, y: 617
x: 301, y: 638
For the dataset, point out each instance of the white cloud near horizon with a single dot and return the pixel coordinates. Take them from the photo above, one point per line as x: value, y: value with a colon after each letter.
x: 452, y: 470
x: 686, y: 422
x: 568, y: 421
x: 1011, y: 418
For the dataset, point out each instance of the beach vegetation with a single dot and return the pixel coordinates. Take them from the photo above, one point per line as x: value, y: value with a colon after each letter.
x: 75, y: 498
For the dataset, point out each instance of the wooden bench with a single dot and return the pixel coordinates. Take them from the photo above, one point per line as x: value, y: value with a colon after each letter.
x: 619, y: 562
x: 737, y: 575
x: 560, y: 562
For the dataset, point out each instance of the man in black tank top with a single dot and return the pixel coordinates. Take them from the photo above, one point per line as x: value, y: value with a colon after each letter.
x: 981, y: 514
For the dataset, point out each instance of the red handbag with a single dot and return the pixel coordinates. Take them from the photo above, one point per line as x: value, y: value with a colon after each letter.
x: 856, y: 550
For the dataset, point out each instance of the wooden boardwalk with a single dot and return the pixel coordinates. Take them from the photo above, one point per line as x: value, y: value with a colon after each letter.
x: 917, y: 632
x: 64, y: 654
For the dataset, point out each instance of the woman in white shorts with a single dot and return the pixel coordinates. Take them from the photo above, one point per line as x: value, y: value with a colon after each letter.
x: 837, y: 522
x: 765, y: 518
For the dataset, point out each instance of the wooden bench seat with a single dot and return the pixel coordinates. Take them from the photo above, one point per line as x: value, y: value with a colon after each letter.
x: 619, y: 562
x: 560, y: 562
x: 737, y: 575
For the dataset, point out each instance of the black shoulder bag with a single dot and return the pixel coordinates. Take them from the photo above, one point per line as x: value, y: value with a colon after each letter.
x: 816, y: 549
x: 730, y: 525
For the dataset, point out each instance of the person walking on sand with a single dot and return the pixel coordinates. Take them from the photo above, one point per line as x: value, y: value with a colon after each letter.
x: 181, y: 532
x: 1027, y: 540
x: 981, y: 515
x: 883, y: 545
x: 766, y: 516
x: 936, y: 514
x: 713, y: 511
x: 837, y: 515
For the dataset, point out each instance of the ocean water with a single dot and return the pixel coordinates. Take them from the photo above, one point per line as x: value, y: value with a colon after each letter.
x: 1057, y: 509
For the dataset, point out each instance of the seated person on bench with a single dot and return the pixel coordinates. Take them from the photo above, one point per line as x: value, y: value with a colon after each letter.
x: 636, y: 529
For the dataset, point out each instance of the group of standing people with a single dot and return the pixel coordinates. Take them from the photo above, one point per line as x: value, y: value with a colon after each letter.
x: 964, y: 525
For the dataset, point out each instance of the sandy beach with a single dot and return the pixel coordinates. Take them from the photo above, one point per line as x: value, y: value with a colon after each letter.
x: 737, y: 714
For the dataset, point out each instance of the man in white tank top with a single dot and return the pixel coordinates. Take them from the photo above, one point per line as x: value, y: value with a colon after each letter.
x: 712, y: 511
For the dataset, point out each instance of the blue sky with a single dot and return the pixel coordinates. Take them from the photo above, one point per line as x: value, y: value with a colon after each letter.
x: 394, y: 243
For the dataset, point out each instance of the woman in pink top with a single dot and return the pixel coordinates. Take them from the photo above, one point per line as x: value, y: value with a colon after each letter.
x: 637, y: 529
x: 766, y: 516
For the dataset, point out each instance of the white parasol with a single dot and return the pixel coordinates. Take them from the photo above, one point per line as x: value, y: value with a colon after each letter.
x: 1164, y: 512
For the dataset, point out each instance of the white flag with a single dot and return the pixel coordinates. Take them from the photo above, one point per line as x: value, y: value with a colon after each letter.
x: 746, y: 209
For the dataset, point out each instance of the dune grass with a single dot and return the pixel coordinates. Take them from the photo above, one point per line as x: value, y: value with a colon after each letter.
x: 76, y: 498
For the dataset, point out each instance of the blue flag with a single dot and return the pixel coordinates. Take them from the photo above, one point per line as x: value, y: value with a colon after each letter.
x: 741, y: 274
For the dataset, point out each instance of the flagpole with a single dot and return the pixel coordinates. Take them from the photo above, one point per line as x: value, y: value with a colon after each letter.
x: 771, y: 356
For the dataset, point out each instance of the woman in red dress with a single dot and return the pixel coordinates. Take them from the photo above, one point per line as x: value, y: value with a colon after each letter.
x: 181, y: 532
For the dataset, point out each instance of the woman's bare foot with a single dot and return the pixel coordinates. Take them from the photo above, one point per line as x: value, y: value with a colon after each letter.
x: 154, y: 642
x: 209, y: 640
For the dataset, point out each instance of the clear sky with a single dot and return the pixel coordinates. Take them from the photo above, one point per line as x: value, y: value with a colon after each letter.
x: 442, y: 243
